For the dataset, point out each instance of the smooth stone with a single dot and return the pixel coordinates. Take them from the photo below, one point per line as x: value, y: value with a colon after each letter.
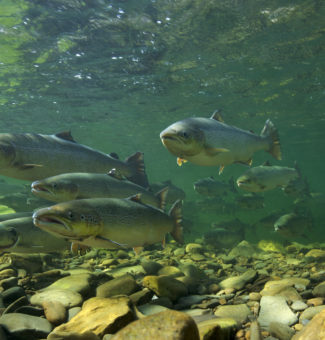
x: 67, y: 297
x: 165, y: 286
x: 239, y: 312
x: 123, y: 285
x: 141, y: 297
x: 238, y: 282
x: 100, y: 316
x: 191, y: 283
x: 317, y: 254
x: 217, y: 328
x: 171, y: 325
x: 72, y: 336
x: 243, y: 248
x: 298, y: 306
x: 54, y: 312
x: 310, y: 312
x: 151, y: 267
x: 23, y: 326
x: 134, y: 270
x: 187, y: 301
x: 149, y: 309
x: 9, y: 282
x: 254, y: 296
x: 22, y: 301
x: 179, y: 252
x: 193, y: 248
x: 7, y: 273
x: 79, y: 283
x: 191, y: 270
x: 275, y: 309
x: 319, y: 290
x: 197, y: 257
x: 30, y: 310
x: 12, y: 294
x: 314, y: 330
x: 72, y: 312
x: 318, y: 301
x: 170, y: 271
x: 281, y: 331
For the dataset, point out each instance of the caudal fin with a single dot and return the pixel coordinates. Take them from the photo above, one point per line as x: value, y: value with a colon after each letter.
x: 136, y: 164
x: 176, y: 213
x: 270, y: 132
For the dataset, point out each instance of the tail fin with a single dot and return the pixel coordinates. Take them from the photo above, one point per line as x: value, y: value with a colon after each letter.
x: 162, y: 196
x: 270, y: 132
x: 136, y: 164
x: 176, y: 213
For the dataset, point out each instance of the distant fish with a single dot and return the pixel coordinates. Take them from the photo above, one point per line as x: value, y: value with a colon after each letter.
x: 112, y: 223
x: 30, y: 156
x: 294, y: 225
x: 77, y: 185
x: 266, y: 177
x: 210, y: 187
x: 20, y: 235
x: 174, y: 192
x: 210, y: 142
x: 250, y: 201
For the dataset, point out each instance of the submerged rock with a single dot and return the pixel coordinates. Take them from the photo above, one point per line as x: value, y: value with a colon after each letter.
x: 314, y: 330
x: 171, y: 325
x: 100, y: 316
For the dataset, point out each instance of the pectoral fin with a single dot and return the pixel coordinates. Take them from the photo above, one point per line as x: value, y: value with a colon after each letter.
x: 221, y: 169
x: 215, y: 151
x: 180, y: 161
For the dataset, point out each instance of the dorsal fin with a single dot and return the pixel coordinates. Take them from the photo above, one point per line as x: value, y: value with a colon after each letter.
x: 162, y: 196
x: 216, y: 115
x: 66, y: 135
x: 267, y: 163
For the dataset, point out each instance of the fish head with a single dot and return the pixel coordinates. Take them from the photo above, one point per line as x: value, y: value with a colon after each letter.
x: 55, y: 189
x: 7, y: 153
x: 73, y: 220
x: 249, y: 183
x: 183, y: 139
x: 9, y: 237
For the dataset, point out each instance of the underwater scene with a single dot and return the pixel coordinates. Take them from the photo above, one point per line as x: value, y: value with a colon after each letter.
x: 162, y: 169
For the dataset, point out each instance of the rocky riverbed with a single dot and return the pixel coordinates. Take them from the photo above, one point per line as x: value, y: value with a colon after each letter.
x: 180, y: 293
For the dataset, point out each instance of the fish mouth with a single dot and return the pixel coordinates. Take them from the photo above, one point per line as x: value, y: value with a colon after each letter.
x: 50, y: 222
x: 39, y: 188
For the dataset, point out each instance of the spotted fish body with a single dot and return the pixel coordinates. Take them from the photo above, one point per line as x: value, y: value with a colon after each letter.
x: 30, y: 156
x: 110, y: 222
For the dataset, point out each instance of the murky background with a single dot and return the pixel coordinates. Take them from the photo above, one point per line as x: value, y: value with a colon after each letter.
x: 116, y: 73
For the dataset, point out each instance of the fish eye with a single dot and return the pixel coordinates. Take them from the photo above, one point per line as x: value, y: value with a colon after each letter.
x: 70, y: 214
x: 184, y: 134
x: 54, y: 185
x: 83, y: 217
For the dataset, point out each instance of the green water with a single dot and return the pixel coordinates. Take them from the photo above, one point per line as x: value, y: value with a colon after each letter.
x: 116, y: 73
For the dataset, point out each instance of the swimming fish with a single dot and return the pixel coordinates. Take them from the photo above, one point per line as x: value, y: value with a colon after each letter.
x: 77, y: 185
x: 210, y: 187
x: 19, y: 235
x: 174, y: 192
x: 294, y: 225
x: 210, y: 142
x: 112, y: 223
x: 266, y: 177
x: 31, y: 156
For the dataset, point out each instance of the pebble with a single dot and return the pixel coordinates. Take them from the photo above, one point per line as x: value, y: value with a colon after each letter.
x: 67, y: 297
x: 54, y: 312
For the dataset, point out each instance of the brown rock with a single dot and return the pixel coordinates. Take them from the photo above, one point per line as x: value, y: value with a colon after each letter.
x: 165, y: 286
x: 123, y: 285
x: 318, y: 301
x: 166, y: 325
x: 72, y: 336
x: 217, y: 328
x: 100, y: 316
x: 54, y: 312
x: 315, y: 329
